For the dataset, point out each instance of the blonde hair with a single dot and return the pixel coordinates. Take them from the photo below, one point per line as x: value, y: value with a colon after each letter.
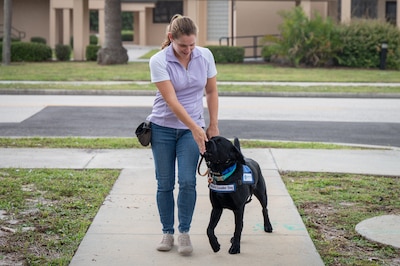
x: 179, y: 25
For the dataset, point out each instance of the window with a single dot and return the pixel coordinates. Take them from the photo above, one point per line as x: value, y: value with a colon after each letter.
x: 164, y: 11
x: 391, y: 12
x: 364, y: 8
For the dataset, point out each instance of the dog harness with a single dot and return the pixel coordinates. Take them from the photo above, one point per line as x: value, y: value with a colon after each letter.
x: 247, y: 178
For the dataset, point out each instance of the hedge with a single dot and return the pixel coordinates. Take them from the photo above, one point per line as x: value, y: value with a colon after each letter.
x: 227, y: 54
x: 28, y: 52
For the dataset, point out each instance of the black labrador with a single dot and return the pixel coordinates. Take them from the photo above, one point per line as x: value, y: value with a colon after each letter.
x: 233, y: 179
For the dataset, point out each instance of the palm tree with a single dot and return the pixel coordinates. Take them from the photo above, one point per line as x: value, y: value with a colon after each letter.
x: 112, y: 52
x: 7, y: 32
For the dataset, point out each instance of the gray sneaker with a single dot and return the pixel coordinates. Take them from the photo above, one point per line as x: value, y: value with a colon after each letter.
x: 184, y: 244
x: 166, y: 243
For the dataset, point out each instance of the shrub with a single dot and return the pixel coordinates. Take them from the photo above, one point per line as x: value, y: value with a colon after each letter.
x: 28, y: 52
x: 227, y: 54
x: 307, y: 41
x: 91, y: 52
x: 127, y: 36
x: 269, y: 49
x: 93, y: 39
x: 63, y: 52
x: 38, y: 40
x: 362, y: 42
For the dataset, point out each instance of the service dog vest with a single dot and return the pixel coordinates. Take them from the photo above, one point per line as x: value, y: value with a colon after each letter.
x: 247, y: 178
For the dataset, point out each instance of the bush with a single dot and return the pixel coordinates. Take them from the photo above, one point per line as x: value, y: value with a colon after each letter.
x: 127, y: 36
x: 269, y: 49
x: 227, y: 54
x: 91, y: 52
x: 38, y: 40
x: 307, y: 41
x: 63, y: 52
x: 93, y: 39
x: 28, y: 52
x: 362, y: 42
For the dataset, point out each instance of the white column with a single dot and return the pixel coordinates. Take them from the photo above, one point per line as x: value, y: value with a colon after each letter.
x: 306, y: 5
x: 52, y: 27
x: 102, y: 31
x: 142, y: 28
x: 345, y: 11
x: 80, y: 28
x: 66, y: 26
x: 398, y: 13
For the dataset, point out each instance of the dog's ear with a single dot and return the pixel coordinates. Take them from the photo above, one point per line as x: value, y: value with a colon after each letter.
x: 238, y: 155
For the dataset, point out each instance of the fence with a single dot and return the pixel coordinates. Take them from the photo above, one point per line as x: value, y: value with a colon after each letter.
x: 252, y: 44
x: 15, y: 33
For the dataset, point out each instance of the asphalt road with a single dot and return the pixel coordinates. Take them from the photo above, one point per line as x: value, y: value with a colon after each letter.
x: 352, y: 121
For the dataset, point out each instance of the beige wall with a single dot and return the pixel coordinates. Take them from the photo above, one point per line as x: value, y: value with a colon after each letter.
x: 259, y: 17
x: 34, y: 22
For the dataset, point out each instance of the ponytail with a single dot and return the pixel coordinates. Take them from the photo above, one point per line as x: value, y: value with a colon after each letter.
x: 179, y: 25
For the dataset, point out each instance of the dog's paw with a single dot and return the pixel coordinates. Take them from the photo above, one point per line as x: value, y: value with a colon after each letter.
x: 216, y: 248
x: 214, y: 244
x: 268, y: 227
x: 235, y: 248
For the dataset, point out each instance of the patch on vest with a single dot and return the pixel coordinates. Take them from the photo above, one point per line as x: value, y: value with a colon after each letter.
x: 247, y: 175
x: 222, y: 188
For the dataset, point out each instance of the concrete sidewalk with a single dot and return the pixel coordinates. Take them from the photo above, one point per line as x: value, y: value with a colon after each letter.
x: 126, y: 229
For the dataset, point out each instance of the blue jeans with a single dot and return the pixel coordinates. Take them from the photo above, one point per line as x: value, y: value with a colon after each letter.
x: 169, y: 146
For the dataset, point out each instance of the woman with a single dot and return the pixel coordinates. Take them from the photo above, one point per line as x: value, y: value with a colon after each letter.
x: 181, y: 72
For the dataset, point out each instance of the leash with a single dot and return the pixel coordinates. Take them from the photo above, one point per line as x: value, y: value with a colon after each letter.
x: 198, y: 168
x: 206, y: 173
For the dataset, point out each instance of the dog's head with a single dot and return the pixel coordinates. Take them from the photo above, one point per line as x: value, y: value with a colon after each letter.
x: 221, y: 154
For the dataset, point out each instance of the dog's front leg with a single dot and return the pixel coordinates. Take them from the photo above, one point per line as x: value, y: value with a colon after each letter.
x: 214, y: 219
x: 235, y: 247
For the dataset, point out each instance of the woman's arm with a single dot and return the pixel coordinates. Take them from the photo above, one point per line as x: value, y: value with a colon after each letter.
x: 212, y: 103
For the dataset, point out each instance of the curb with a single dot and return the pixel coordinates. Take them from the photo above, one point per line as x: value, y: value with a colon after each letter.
x: 221, y: 93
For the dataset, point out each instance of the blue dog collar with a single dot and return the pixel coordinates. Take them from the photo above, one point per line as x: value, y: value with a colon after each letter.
x: 225, y: 174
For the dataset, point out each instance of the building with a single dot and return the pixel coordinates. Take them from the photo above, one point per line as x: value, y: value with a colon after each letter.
x: 58, y: 20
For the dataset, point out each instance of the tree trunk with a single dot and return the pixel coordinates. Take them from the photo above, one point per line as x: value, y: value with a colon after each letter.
x: 112, y: 52
x: 7, y: 32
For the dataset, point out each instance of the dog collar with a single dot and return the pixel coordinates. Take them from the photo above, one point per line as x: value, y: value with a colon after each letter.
x: 225, y: 174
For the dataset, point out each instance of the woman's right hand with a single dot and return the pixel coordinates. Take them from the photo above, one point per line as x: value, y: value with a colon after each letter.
x: 200, y: 137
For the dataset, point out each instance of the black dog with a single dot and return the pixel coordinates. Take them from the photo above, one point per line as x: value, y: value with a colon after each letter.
x: 233, y: 180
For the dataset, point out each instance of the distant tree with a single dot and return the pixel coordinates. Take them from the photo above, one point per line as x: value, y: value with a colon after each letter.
x: 112, y: 52
x: 7, y: 32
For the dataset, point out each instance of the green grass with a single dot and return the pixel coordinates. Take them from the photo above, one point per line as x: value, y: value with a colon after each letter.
x: 50, y: 211
x: 91, y: 71
x: 139, y: 71
x: 331, y: 205
x: 74, y: 72
x: 132, y: 143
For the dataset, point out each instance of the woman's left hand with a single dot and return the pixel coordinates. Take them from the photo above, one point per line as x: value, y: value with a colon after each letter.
x: 212, y: 131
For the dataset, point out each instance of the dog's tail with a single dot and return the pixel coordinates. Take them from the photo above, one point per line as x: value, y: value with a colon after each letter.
x: 236, y: 143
